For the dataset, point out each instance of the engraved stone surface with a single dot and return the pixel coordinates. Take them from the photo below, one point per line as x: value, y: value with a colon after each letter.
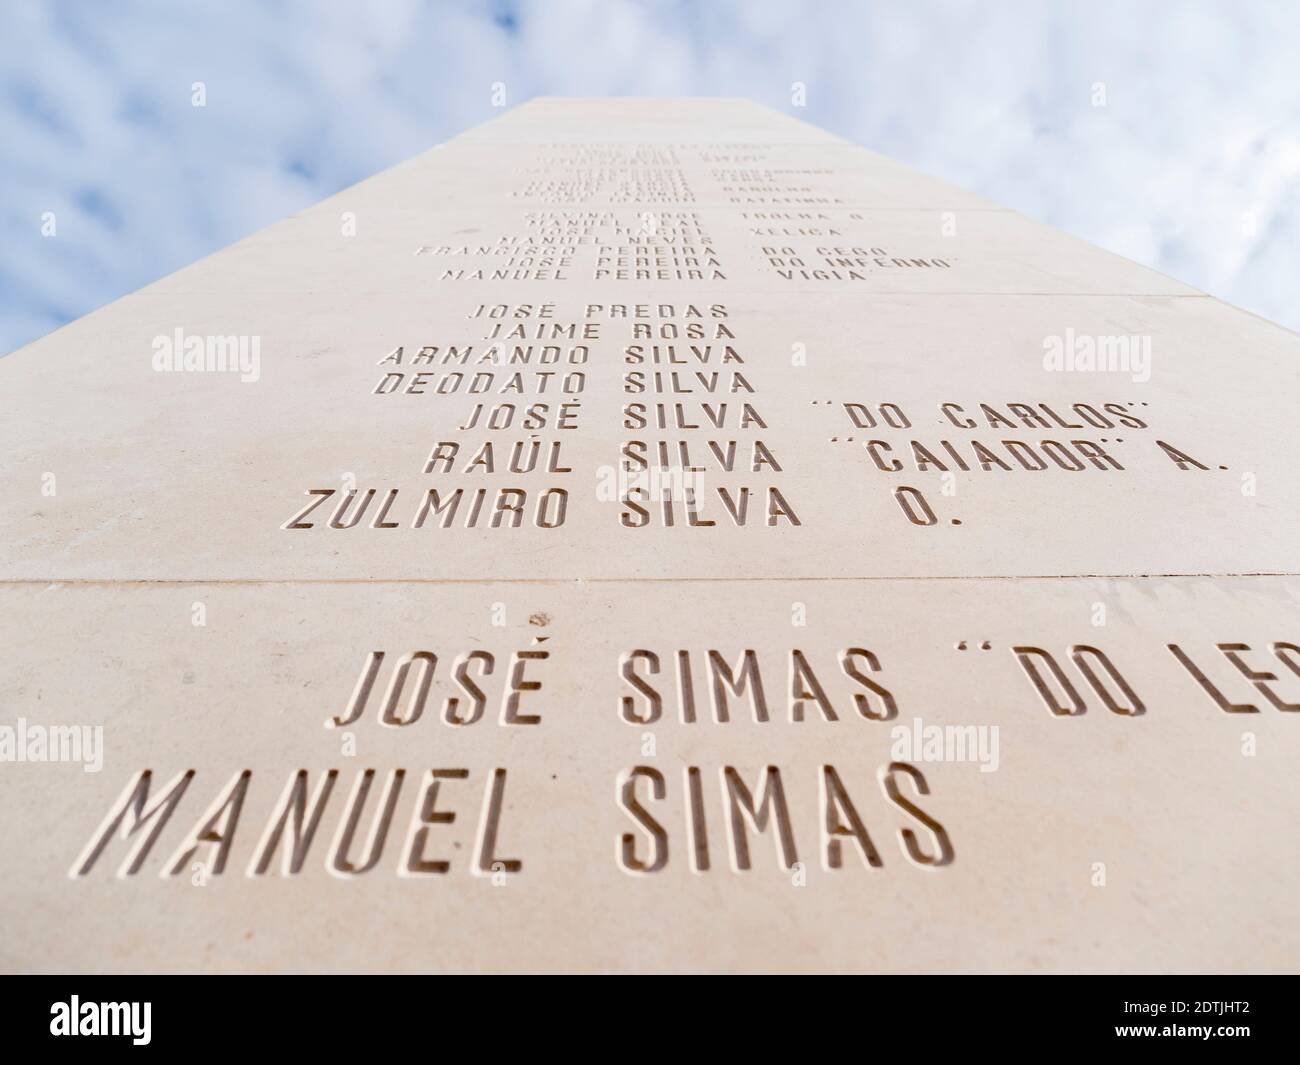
x: 652, y: 535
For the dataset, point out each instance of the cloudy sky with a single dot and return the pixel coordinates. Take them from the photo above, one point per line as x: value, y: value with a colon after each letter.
x: 1191, y: 165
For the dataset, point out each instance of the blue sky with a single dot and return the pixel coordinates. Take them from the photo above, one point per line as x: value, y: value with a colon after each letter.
x: 1191, y: 166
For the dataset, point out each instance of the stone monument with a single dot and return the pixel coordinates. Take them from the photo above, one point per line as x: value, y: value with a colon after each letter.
x: 652, y: 535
